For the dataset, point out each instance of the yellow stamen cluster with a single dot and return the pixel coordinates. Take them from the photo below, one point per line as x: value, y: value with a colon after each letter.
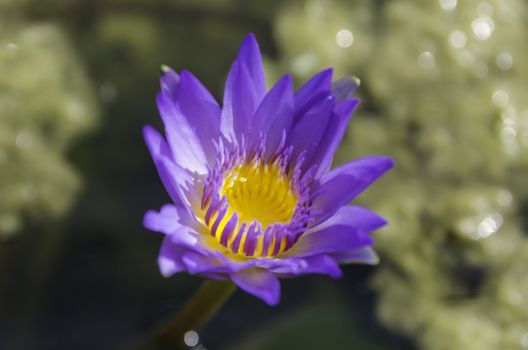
x: 259, y: 192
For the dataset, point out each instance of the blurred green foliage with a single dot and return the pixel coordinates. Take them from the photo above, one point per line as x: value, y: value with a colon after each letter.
x: 46, y: 101
x: 443, y: 85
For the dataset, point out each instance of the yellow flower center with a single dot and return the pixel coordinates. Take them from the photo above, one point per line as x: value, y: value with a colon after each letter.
x: 258, y: 191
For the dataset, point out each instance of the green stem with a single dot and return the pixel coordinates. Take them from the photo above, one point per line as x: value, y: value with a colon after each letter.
x: 198, y: 310
x: 202, y: 307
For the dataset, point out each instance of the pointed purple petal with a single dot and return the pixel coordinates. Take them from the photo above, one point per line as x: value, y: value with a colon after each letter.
x: 344, y: 88
x: 180, y: 182
x: 343, y: 184
x: 182, y: 229
x: 274, y: 115
x: 348, y: 229
x: 183, y: 140
x: 307, y: 133
x: 170, y: 258
x: 259, y: 282
x: 250, y: 56
x: 315, y: 89
x: 201, y: 111
x: 331, y: 239
x: 318, y: 264
x: 333, y: 135
x: 169, y: 82
x: 159, y: 149
x: 198, y: 263
x: 245, y: 88
x: 240, y: 103
x: 365, y: 255
x: 353, y: 215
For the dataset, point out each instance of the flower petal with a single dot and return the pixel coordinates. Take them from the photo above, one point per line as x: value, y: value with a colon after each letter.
x: 346, y: 230
x: 198, y: 263
x: 159, y: 150
x: 353, y: 215
x: 170, y: 258
x: 175, y: 222
x: 249, y: 55
x: 330, y: 240
x: 365, y: 255
x: 344, y: 88
x: 319, y: 264
x: 315, y: 89
x: 245, y: 88
x: 187, y: 187
x: 169, y: 82
x: 333, y: 135
x: 274, y: 115
x: 184, y: 142
x: 201, y: 111
x: 259, y: 282
x: 307, y: 133
x: 343, y: 184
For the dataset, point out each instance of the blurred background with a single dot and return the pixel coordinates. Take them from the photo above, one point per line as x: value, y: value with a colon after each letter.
x: 444, y: 87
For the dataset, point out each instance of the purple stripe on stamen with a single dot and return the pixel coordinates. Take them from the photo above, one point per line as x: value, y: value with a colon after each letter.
x: 206, y: 197
x: 268, y: 237
x: 278, y: 242
x: 251, y: 239
x: 288, y: 243
x: 228, y: 229
x: 219, y: 219
x: 213, y: 208
x: 236, y: 243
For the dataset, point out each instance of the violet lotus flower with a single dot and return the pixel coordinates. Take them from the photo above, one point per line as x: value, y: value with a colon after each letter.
x: 253, y: 196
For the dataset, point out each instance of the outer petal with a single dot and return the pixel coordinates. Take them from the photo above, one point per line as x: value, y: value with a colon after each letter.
x: 169, y: 82
x: 201, y: 111
x: 353, y: 215
x: 319, y: 264
x: 185, y: 144
x: 348, y: 229
x: 181, y: 227
x: 365, y: 255
x: 315, y: 89
x: 198, y: 263
x: 173, y: 221
x: 170, y: 258
x: 274, y: 115
x: 344, y: 88
x: 330, y: 240
x: 343, y: 184
x: 307, y: 133
x: 244, y: 90
x: 159, y: 150
x: 333, y: 135
x: 191, y: 117
x: 249, y: 55
x: 187, y: 187
x: 259, y: 282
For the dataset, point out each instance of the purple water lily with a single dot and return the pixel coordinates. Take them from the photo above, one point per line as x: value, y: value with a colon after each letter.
x: 253, y: 196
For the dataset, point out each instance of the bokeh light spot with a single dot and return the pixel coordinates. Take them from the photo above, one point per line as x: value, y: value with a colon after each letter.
x: 344, y: 38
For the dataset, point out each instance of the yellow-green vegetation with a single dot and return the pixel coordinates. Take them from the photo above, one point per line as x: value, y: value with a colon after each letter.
x: 443, y: 90
x: 45, y: 102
